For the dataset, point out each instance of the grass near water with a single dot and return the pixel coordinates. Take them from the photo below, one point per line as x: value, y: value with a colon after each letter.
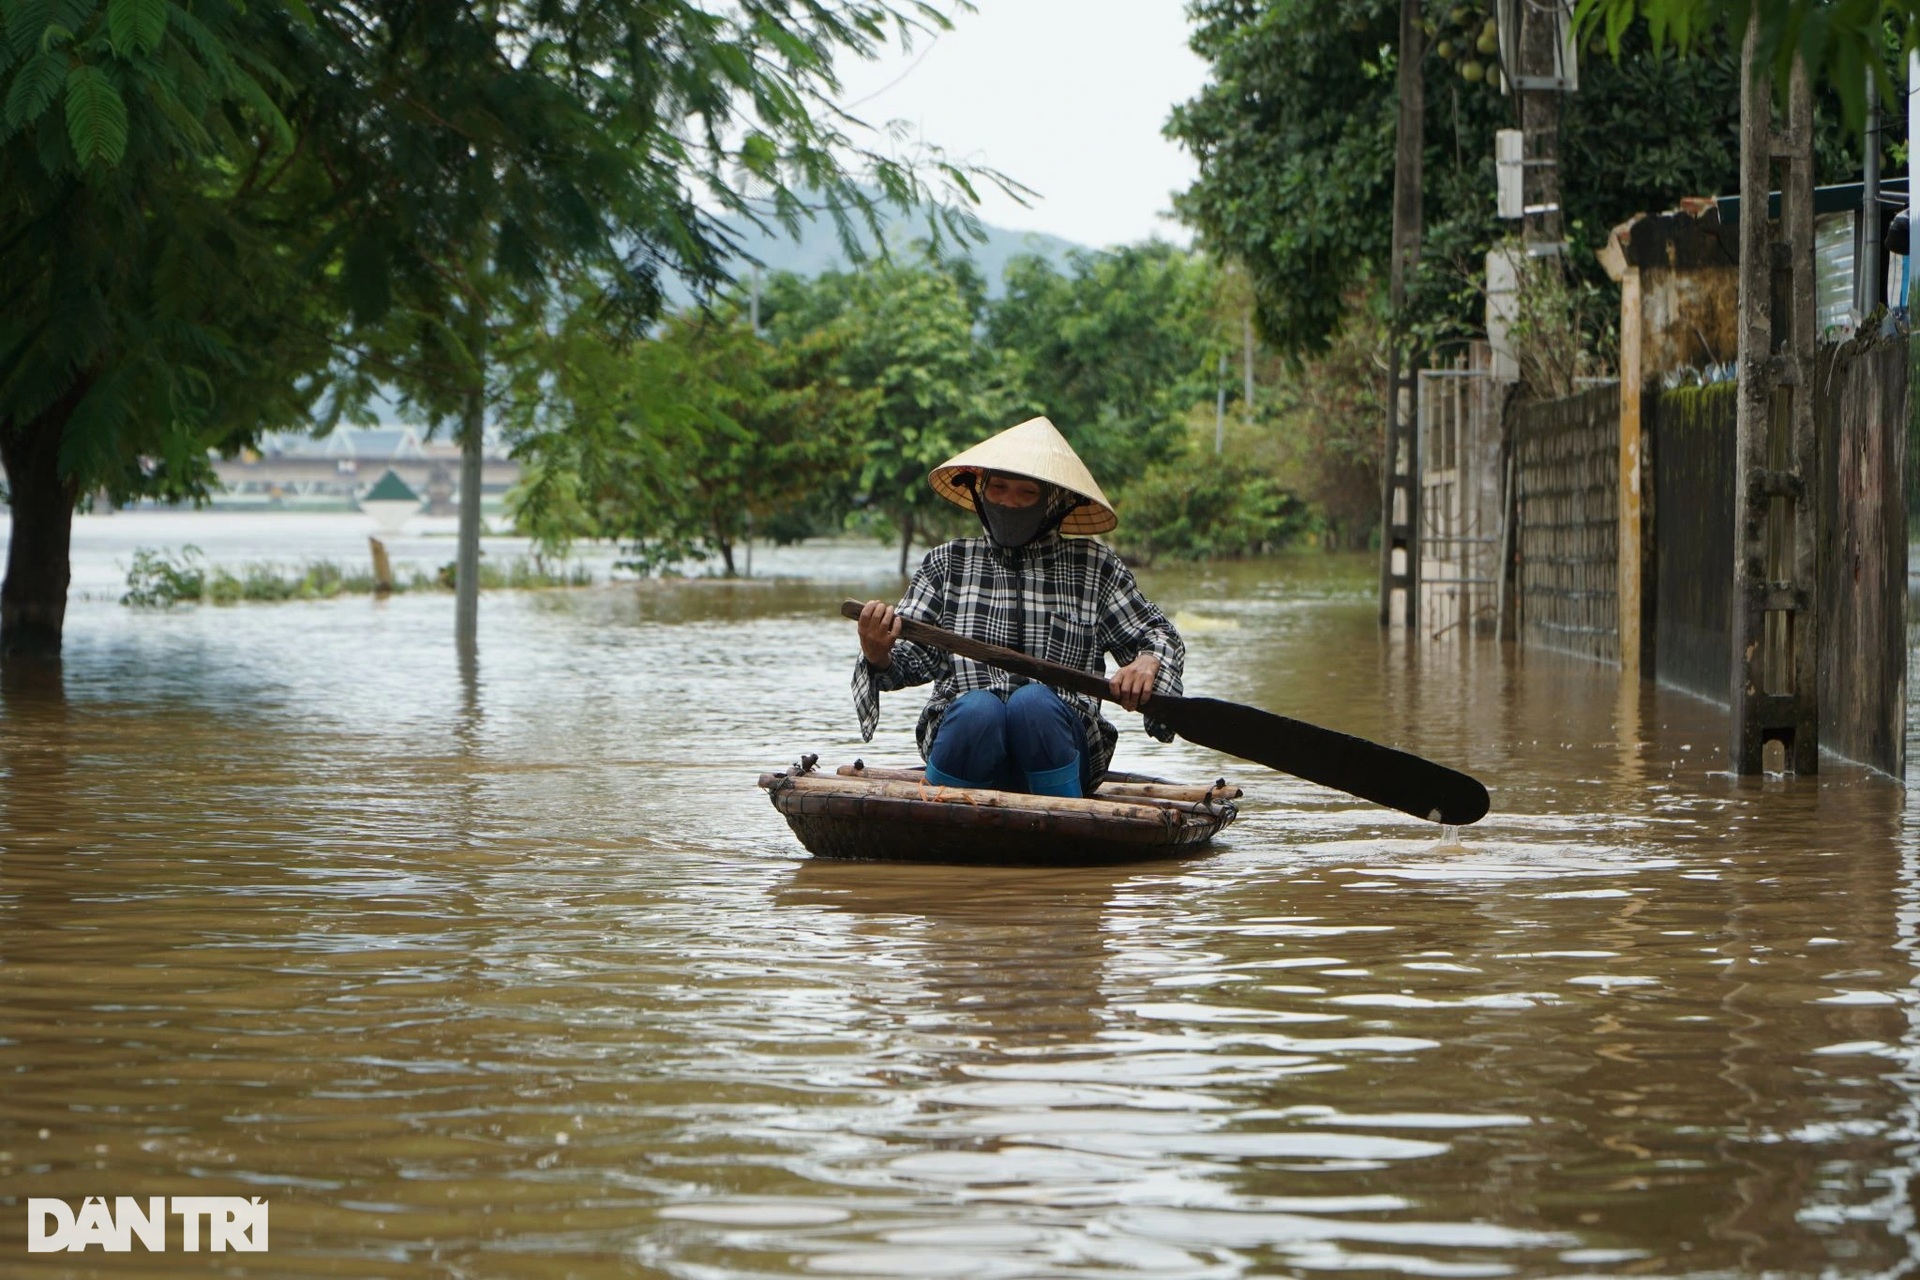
x: 160, y: 579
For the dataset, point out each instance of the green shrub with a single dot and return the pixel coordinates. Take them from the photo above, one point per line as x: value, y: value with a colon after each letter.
x: 518, y: 574
x: 160, y: 581
x: 263, y: 582
x: 523, y: 574
x: 1202, y: 506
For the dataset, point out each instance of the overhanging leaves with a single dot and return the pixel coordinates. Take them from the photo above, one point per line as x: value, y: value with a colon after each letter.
x: 96, y: 117
x: 1847, y: 45
x: 35, y: 85
x: 136, y: 26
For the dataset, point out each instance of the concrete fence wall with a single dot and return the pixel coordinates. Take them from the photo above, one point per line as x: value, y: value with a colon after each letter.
x: 1861, y: 406
x: 1566, y: 483
x: 1566, y: 491
x: 1689, y: 434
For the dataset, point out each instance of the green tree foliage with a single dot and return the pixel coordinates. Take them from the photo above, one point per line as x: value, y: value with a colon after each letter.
x: 1295, y: 131
x: 1319, y: 429
x: 501, y: 152
x: 153, y: 297
x: 909, y: 333
x: 1294, y: 137
x: 1199, y: 506
x: 915, y: 364
x: 867, y: 380
x: 489, y: 154
x: 680, y: 444
x: 1845, y: 47
x: 1301, y: 464
x: 1114, y: 350
x: 214, y: 209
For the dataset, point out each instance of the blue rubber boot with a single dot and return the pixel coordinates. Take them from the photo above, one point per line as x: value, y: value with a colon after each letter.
x: 1064, y: 781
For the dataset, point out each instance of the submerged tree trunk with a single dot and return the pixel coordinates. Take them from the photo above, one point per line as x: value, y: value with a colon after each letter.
x: 726, y: 554
x: 33, y: 601
x: 906, y: 539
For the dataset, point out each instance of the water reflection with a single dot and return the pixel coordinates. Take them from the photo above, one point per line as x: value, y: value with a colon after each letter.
x: 511, y: 970
x: 35, y: 811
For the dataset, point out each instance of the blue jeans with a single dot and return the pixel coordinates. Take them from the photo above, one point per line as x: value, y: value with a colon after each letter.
x: 1027, y: 741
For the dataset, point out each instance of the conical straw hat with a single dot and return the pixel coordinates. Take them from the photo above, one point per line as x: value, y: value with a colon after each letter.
x: 1036, y: 450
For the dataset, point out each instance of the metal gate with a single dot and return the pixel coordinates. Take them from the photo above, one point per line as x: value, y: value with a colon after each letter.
x: 1460, y: 502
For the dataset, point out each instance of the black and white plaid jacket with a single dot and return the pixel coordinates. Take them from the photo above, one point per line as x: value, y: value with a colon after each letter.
x: 1068, y: 600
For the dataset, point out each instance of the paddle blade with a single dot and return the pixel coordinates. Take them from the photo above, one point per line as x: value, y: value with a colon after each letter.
x: 1383, y: 775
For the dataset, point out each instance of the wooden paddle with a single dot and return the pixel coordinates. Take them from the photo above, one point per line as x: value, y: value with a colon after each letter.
x: 1383, y: 775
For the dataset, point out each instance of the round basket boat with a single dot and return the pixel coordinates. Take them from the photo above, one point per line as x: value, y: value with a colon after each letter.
x: 891, y: 814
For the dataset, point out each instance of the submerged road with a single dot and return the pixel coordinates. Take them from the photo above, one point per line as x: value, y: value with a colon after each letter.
x: 524, y: 976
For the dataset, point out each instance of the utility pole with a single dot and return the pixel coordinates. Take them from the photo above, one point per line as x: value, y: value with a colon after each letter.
x: 1220, y: 406
x: 1537, y: 66
x: 1543, y: 71
x: 466, y: 564
x: 1246, y: 333
x: 753, y: 323
x: 1776, y: 599
x: 1872, y: 291
x: 1399, y: 463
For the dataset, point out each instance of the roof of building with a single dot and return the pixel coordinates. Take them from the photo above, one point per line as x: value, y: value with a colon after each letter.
x: 391, y: 488
x: 1838, y: 198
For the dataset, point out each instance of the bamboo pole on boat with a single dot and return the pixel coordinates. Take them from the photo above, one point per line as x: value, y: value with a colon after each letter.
x: 1109, y: 790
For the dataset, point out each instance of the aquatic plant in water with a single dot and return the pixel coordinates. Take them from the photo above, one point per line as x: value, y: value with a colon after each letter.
x: 159, y: 579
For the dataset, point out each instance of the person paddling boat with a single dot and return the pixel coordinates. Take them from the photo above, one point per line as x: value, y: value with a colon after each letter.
x: 1036, y: 581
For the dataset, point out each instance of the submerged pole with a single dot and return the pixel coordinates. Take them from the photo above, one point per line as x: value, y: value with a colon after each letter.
x: 1399, y: 454
x: 466, y: 565
x: 1775, y: 633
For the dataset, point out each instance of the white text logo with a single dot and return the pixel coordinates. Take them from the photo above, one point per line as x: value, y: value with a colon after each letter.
x: 232, y: 1222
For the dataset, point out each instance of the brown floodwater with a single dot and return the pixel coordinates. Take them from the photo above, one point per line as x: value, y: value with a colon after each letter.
x: 521, y: 975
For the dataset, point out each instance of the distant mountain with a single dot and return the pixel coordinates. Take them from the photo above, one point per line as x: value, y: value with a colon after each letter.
x: 818, y: 249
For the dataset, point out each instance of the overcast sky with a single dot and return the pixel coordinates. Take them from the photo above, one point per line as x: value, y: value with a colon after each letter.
x: 1066, y: 96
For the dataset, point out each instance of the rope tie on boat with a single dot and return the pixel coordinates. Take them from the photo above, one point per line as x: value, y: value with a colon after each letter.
x: 1207, y: 801
x: 940, y: 789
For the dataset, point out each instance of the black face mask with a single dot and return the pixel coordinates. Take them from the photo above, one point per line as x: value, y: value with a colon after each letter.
x: 1013, y: 527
